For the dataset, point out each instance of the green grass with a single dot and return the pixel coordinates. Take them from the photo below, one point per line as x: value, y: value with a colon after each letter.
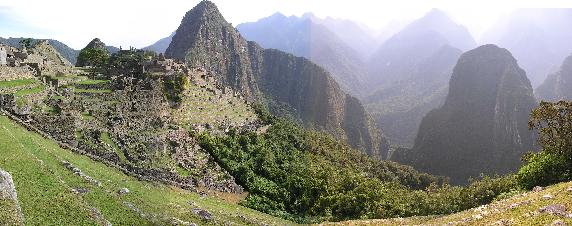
x: 16, y: 83
x: 92, y: 82
x: 30, y: 91
x: 44, y: 189
x: 105, y: 138
x: 92, y: 90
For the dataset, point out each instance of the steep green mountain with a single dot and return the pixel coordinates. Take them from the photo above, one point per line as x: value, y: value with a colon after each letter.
x: 483, y: 125
x: 557, y: 86
x: 67, y: 52
x: 305, y: 38
x: 289, y: 85
x: 161, y: 45
x: 538, y: 38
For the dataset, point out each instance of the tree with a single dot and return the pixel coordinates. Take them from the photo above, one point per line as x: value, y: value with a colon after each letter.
x: 554, y: 124
x: 92, y: 57
x: 554, y: 163
x: 26, y: 43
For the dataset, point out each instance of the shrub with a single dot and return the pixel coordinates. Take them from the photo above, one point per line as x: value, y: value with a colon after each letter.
x: 544, y: 168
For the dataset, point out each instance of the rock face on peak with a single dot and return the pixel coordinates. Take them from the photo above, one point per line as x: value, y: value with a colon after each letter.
x: 289, y: 85
x: 96, y: 43
x: 557, y: 86
x: 483, y: 125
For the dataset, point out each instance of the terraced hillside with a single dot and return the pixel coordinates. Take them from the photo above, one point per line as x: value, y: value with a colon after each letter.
x: 58, y: 187
x: 543, y: 206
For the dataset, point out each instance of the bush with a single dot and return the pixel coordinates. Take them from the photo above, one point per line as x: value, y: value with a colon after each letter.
x: 544, y: 168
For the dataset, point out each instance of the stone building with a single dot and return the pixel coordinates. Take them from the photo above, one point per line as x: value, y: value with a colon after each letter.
x: 3, y: 55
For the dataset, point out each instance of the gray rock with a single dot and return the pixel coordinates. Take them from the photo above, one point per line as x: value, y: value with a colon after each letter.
x: 123, y: 191
x: 537, y: 189
x: 556, y: 209
x: 203, y: 213
x: 8, y: 192
x: 558, y: 223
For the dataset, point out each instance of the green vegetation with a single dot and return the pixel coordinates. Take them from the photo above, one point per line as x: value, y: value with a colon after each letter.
x: 520, y: 209
x: 307, y: 176
x: 92, y: 90
x: 174, y: 87
x: 30, y: 91
x: 92, y: 82
x: 46, y: 190
x: 554, y: 163
x: 16, y: 83
x: 94, y: 57
x: 26, y: 43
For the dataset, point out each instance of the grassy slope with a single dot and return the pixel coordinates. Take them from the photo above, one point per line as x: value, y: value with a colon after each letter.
x: 44, y: 190
x: 521, y: 209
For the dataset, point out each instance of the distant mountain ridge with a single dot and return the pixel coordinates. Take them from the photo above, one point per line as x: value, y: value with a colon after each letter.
x: 161, y: 45
x: 66, y: 51
x: 410, y: 73
x: 557, y: 86
x: 538, y: 38
x: 285, y: 83
x: 303, y: 36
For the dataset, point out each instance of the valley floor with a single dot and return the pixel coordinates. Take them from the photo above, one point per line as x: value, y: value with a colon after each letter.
x: 57, y: 187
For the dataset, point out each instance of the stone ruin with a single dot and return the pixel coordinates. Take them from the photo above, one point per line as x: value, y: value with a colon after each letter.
x: 3, y: 56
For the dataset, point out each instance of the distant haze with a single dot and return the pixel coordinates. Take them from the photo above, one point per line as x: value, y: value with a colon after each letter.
x: 141, y: 23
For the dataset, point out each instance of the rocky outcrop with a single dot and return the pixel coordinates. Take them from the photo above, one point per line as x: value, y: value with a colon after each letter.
x: 284, y: 82
x: 9, y: 201
x: 483, y: 125
x: 557, y: 86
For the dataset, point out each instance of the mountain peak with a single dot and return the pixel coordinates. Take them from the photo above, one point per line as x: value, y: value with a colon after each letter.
x: 202, y: 20
x: 96, y: 43
x: 489, y: 100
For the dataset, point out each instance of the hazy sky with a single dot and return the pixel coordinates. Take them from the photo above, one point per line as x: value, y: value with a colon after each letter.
x: 140, y: 23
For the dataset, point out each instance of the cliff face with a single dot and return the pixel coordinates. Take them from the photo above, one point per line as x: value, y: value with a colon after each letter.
x: 282, y: 81
x: 557, y: 86
x: 482, y: 127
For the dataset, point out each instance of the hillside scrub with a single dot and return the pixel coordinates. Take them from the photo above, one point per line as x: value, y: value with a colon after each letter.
x: 307, y: 176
